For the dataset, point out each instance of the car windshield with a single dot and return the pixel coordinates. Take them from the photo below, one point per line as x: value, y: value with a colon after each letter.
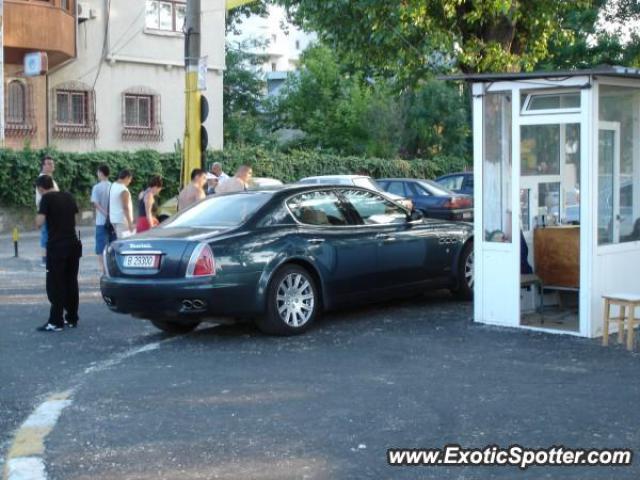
x: 223, y: 211
x: 435, y: 188
x: 367, y: 182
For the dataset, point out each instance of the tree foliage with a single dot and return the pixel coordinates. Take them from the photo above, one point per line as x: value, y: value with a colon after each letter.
x: 353, y: 115
x: 411, y: 39
x: 242, y: 95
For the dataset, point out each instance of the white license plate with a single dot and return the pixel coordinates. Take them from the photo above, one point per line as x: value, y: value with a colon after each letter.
x: 466, y: 215
x: 141, y: 261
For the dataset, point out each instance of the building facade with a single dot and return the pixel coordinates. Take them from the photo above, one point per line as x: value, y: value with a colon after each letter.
x: 277, y: 40
x: 116, y: 75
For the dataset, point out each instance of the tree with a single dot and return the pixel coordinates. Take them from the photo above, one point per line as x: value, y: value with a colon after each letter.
x: 242, y: 96
x: 236, y: 15
x: 600, y: 35
x: 409, y: 40
x: 323, y: 102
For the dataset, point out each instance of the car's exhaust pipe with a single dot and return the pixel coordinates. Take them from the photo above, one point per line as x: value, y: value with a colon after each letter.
x: 187, y: 304
x: 198, y: 304
x: 190, y: 305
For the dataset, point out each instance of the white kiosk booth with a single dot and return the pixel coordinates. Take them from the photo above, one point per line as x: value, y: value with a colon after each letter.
x: 557, y: 189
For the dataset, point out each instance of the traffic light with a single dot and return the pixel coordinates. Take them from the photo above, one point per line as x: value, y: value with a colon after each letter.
x: 204, y: 136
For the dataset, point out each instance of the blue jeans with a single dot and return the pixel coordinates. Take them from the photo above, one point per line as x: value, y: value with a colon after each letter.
x: 44, y: 236
x: 102, y: 239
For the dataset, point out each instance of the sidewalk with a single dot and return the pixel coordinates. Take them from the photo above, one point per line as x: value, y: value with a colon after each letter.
x: 30, y: 253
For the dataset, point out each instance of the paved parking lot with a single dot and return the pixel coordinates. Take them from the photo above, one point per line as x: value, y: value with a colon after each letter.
x: 229, y: 402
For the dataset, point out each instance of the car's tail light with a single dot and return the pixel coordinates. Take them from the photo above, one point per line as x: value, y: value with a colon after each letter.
x: 202, y: 262
x: 105, y: 260
x: 458, y: 202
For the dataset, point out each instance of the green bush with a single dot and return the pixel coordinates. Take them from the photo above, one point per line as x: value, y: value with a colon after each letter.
x: 75, y: 172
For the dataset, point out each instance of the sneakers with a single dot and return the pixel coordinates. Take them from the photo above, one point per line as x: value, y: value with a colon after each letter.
x: 49, y: 327
x: 69, y: 324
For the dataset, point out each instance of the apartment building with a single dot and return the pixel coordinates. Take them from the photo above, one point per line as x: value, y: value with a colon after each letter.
x: 116, y: 73
x: 276, y: 39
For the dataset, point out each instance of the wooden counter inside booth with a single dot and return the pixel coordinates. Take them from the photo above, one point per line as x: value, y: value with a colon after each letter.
x: 557, y: 256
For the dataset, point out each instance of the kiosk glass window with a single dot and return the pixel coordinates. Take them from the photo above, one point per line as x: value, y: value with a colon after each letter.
x: 496, y: 167
x: 618, y: 165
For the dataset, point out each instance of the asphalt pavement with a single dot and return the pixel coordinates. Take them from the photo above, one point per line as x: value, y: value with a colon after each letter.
x: 228, y: 402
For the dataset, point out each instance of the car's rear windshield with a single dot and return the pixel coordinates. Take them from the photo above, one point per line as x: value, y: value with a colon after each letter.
x: 367, y: 182
x: 223, y: 211
x: 435, y: 188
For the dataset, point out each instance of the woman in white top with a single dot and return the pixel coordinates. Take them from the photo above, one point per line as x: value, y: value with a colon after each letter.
x: 120, y: 205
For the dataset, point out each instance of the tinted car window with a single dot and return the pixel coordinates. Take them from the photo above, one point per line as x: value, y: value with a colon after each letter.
x: 317, y: 208
x: 225, y: 211
x: 374, y: 209
x: 418, y: 190
x: 434, y: 188
x: 396, y: 188
x: 452, y: 183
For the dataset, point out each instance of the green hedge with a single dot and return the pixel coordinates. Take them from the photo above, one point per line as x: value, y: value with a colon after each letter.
x: 75, y: 172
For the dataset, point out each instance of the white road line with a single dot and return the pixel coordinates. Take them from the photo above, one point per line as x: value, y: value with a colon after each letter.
x: 26, y: 468
x: 25, y: 460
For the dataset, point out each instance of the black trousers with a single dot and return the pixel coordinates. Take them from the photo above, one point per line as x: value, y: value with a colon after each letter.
x: 62, y: 286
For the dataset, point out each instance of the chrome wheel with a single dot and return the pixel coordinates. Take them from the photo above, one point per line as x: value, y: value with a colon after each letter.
x: 468, y: 271
x: 295, y: 300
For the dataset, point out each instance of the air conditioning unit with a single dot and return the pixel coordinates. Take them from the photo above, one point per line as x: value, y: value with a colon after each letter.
x: 85, y: 12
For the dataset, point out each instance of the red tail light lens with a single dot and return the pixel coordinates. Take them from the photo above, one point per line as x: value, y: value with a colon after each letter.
x: 202, y: 262
x: 458, y: 202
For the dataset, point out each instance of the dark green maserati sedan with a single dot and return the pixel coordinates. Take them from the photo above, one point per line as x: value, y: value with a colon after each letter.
x: 281, y: 257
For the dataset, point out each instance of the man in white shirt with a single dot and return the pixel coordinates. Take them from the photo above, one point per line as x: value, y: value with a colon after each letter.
x: 47, y: 167
x: 100, y: 200
x: 215, y: 178
x: 239, y: 182
x: 120, y: 206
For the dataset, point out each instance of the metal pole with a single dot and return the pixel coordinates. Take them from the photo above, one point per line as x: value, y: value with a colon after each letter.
x: 192, y: 155
x: 16, y: 239
x: 2, y: 73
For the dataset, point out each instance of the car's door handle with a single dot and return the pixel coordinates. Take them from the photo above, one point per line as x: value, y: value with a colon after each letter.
x: 316, y: 241
x: 385, y: 237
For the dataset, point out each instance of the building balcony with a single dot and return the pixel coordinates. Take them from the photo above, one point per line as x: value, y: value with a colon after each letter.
x: 39, y: 25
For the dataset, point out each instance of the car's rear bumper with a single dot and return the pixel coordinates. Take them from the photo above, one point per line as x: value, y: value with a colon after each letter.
x: 180, y: 299
x: 463, y: 214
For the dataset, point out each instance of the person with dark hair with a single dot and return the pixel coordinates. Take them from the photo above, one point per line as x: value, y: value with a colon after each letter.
x: 100, y: 201
x: 58, y: 211
x: 194, y: 192
x: 147, y: 206
x: 47, y: 167
x: 120, y: 206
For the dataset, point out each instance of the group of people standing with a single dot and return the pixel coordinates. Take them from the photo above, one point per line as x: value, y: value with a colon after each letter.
x: 62, y: 248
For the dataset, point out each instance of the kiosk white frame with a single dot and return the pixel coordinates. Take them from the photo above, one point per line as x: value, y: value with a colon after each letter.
x: 604, y: 269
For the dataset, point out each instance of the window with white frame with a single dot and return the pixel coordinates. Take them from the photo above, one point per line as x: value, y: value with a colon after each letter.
x: 16, y: 102
x: 73, y: 111
x: 71, y: 108
x: 165, y: 15
x: 138, y: 111
x: 141, y: 115
x: 18, y: 109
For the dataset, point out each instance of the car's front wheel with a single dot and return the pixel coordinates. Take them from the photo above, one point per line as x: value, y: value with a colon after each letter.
x: 292, y: 302
x: 174, y: 328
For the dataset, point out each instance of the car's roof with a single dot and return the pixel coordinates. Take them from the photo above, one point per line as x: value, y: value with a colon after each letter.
x: 455, y: 174
x: 399, y: 179
x: 334, y: 176
x: 294, y: 187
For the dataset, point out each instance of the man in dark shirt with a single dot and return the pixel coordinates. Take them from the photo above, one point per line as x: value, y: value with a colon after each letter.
x: 58, y: 210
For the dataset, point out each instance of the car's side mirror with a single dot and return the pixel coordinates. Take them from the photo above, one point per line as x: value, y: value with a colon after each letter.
x: 415, y: 216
